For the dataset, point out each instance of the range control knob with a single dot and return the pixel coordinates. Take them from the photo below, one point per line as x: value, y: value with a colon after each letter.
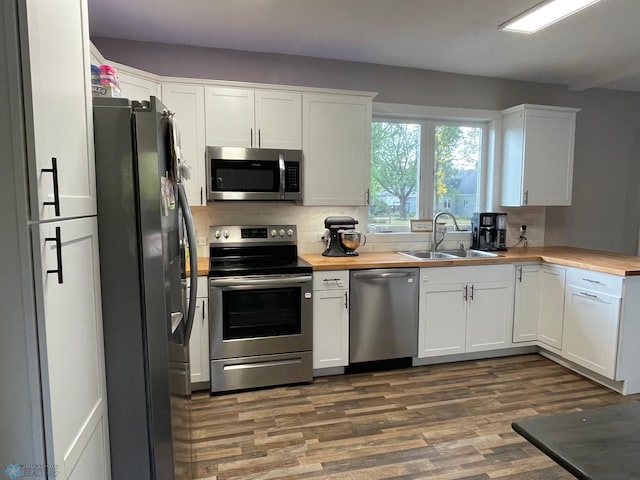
x: 226, y: 234
x: 217, y: 235
x: 290, y: 232
x: 273, y: 233
x: 281, y: 232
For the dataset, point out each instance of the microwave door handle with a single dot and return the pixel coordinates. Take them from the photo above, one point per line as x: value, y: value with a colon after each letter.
x: 282, y: 174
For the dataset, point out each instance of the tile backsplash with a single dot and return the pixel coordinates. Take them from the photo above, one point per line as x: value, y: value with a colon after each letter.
x: 310, y: 222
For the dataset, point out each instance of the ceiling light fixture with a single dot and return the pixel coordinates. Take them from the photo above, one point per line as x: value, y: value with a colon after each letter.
x: 544, y: 14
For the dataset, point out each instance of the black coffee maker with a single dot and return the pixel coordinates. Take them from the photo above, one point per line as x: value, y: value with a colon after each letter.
x: 489, y: 231
x: 337, y: 227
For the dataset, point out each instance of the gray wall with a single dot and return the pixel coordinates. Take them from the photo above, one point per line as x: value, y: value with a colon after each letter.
x: 606, y: 203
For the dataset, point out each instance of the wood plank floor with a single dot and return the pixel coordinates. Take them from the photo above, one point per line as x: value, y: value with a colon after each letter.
x: 450, y: 421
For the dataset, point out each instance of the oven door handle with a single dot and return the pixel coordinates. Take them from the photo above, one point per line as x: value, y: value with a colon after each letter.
x: 241, y: 282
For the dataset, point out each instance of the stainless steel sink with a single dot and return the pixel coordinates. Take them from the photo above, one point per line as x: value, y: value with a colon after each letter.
x: 428, y: 255
x: 447, y: 254
x: 481, y: 254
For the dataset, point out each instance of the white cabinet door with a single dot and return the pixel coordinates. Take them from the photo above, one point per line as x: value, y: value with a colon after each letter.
x: 137, y: 87
x: 538, y: 144
x: 591, y: 330
x: 336, y: 141
x: 443, y: 320
x: 551, y: 313
x: 489, y: 315
x: 330, y: 328
x: 74, y: 375
x: 199, y: 343
x: 230, y: 117
x: 526, y: 304
x: 187, y: 101
x: 58, y: 46
x: 278, y: 120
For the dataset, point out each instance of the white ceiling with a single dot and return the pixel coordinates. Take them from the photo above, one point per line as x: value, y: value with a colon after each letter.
x: 597, y: 47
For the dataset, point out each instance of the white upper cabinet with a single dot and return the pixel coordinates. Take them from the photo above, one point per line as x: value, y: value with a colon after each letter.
x: 336, y: 140
x: 187, y: 102
x: 537, y: 166
x: 246, y: 117
x: 137, y: 87
x: 278, y: 119
x: 60, y: 99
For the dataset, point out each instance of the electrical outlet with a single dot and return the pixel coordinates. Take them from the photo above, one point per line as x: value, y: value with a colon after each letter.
x: 320, y: 237
x: 523, y: 231
x: 201, y: 241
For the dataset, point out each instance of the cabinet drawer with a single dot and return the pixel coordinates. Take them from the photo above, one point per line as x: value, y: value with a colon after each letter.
x: 203, y: 286
x: 332, y: 280
x: 595, y: 281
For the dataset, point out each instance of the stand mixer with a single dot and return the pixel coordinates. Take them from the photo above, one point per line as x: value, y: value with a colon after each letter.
x: 343, y: 239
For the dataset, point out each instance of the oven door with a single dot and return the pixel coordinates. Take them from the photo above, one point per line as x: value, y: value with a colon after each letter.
x: 258, y: 315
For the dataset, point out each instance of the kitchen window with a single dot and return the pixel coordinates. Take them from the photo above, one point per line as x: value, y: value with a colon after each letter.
x: 421, y: 166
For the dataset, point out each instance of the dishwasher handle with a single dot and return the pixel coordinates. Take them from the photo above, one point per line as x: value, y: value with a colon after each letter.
x: 370, y: 275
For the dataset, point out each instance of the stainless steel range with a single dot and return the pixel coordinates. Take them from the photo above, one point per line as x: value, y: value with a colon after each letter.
x: 260, y: 308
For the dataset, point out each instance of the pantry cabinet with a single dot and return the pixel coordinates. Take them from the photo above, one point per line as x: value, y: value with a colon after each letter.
x: 59, y: 115
x: 465, y: 309
x: 199, y: 341
x: 330, y: 319
x: 552, y: 298
x: 247, y: 117
x: 336, y: 141
x: 187, y: 102
x: 47, y: 145
x: 537, y: 155
x: 526, y: 303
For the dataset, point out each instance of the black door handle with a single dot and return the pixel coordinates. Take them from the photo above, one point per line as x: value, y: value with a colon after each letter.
x: 56, y: 193
x: 58, y: 254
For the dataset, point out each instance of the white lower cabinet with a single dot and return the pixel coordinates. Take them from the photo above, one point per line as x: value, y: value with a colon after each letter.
x: 199, y: 341
x: 73, y: 353
x: 591, y: 329
x: 526, y: 303
x: 465, y: 309
x: 489, y: 315
x: 552, y: 298
x: 330, y: 319
x: 443, y: 319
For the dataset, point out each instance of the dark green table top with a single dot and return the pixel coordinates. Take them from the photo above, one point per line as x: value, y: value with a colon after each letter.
x: 598, y: 444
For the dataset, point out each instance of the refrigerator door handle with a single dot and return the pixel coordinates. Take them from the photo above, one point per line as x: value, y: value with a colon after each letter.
x: 193, y: 261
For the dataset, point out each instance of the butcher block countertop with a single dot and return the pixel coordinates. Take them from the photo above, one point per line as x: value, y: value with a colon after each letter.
x: 568, y: 256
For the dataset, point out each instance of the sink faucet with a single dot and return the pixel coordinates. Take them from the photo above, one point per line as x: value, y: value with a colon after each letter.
x: 436, y: 243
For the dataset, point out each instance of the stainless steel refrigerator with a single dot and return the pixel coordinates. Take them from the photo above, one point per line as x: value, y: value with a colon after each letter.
x: 144, y: 227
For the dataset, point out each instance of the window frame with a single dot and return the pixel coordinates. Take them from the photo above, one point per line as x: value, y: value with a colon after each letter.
x: 428, y: 118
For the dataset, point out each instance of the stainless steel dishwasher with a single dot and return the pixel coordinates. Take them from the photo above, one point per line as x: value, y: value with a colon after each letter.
x: 383, y: 317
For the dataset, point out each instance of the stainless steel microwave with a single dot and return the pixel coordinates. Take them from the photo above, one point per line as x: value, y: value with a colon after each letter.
x: 253, y: 174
